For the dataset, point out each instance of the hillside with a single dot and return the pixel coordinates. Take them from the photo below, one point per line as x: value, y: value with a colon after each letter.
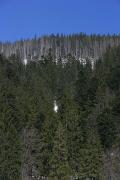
x: 78, y: 45
x: 60, y: 122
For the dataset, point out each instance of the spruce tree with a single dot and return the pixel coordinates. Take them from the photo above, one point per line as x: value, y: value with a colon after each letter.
x: 59, y: 167
x: 10, y: 147
x: 45, y: 142
x: 91, y: 157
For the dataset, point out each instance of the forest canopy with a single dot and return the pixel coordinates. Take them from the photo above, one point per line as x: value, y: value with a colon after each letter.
x: 81, y: 140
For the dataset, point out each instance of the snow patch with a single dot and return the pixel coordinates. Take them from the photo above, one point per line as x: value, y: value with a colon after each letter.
x: 82, y: 61
x: 55, y: 106
x: 25, y: 61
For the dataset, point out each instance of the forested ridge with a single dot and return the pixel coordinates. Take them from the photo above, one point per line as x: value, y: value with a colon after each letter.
x: 79, y: 141
x: 78, y: 45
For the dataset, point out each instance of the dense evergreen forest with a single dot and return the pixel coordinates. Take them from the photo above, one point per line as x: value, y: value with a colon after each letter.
x: 79, y: 141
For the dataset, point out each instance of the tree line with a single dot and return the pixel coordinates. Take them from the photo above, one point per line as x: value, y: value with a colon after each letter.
x: 78, y: 45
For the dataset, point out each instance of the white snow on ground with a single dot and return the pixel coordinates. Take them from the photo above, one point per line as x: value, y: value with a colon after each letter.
x: 25, y: 61
x: 55, y: 106
x: 82, y: 61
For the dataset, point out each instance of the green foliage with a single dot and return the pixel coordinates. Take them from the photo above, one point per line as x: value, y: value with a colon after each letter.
x: 10, y: 147
x: 44, y: 149
x: 59, y: 167
x: 106, y: 128
x: 35, y: 140
x: 91, y: 157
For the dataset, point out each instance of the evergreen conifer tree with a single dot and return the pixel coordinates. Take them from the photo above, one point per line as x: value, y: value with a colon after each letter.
x: 59, y: 167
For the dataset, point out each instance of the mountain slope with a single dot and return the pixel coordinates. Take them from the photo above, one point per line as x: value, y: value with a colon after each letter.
x: 78, y: 45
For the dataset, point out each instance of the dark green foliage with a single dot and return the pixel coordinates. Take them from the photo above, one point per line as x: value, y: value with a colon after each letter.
x: 10, y: 146
x: 75, y: 141
x: 91, y: 157
x: 106, y: 128
x: 59, y: 167
x: 46, y: 135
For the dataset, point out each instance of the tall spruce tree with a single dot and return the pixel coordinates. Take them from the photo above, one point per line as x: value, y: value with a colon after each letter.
x: 59, y: 167
x: 91, y: 158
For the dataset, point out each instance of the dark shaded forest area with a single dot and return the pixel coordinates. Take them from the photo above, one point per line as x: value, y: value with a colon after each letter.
x: 80, y: 141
